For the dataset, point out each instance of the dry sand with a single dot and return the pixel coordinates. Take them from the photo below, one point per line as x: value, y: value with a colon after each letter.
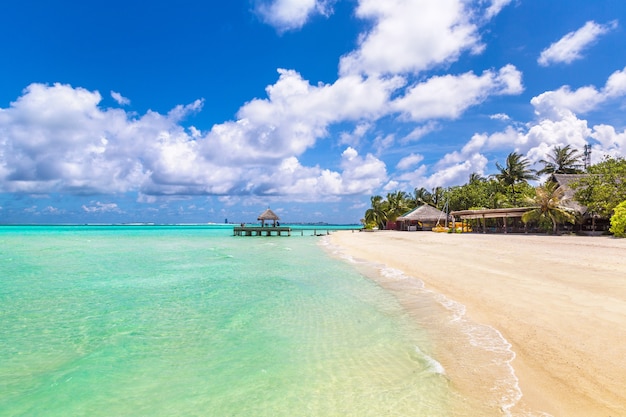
x: 560, y: 301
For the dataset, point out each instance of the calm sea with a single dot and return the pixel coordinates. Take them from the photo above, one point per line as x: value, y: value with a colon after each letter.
x: 191, y: 321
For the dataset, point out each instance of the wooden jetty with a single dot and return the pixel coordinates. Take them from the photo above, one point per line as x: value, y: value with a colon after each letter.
x: 283, y: 230
x: 261, y: 230
x: 275, y: 229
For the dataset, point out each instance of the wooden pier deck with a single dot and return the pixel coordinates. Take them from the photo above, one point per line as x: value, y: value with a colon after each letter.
x: 261, y: 231
x: 287, y: 230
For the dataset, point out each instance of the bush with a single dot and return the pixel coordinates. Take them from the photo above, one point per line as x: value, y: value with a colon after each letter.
x: 618, y: 220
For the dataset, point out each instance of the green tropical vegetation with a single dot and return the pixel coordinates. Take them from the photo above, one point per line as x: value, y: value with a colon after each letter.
x: 618, y: 220
x: 376, y: 215
x: 601, y: 192
x: 604, y: 188
x: 548, y: 203
x: 565, y: 160
x: 516, y: 171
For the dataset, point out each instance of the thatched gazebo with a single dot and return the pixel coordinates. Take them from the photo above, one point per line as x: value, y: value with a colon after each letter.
x: 424, y: 217
x: 268, y: 215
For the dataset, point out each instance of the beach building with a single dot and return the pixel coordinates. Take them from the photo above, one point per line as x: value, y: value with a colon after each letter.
x: 268, y: 215
x: 507, y: 215
x: 424, y: 217
x: 264, y: 230
x: 589, y: 221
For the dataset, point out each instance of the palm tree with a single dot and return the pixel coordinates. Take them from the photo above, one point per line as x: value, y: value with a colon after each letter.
x: 517, y: 170
x: 548, y: 202
x: 475, y: 178
x: 397, y: 204
x: 421, y: 196
x: 438, y: 197
x: 562, y: 161
x: 376, y: 214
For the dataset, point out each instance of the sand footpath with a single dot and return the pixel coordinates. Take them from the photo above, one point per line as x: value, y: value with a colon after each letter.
x: 559, y: 300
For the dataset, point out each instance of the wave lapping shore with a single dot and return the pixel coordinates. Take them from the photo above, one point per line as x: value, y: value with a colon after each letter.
x: 559, y: 301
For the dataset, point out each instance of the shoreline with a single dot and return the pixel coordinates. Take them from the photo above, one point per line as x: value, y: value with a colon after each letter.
x: 559, y: 301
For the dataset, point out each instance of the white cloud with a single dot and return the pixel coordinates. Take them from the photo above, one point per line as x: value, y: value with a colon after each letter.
x: 53, y: 210
x: 570, y: 47
x: 557, y: 125
x: 57, y: 138
x: 409, y: 161
x: 354, y: 138
x: 361, y: 175
x: 555, y: 104
x: 500, y: 116
x: 611, y: 142
x: 449, y: 96
x: 507, y: 139
x: 358, y: 176
x: 296, y: 114
x: 455, y: 168
x: 495, y: 7
x: 99, y: 207
x: 420, y: 131
x: 411, y: 36
x: 287, y: 15
x: 121, y: 100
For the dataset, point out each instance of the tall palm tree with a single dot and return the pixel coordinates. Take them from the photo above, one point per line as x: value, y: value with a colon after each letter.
x: 438, y: 197
x: 376, y: 214
x: 397, y: 204
x: 421, y: 196
x: 563, y: 160
x: 549, y: 203
x: 516, y: 170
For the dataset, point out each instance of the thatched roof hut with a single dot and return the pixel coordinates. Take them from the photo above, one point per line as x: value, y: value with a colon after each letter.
x: 268, y: 215
x: 565, y: 181
x: 422, y: 216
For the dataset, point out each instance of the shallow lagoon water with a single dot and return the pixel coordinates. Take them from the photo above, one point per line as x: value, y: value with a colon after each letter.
x: 191, y: 321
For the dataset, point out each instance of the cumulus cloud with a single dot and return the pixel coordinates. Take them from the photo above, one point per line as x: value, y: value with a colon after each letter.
x: 354, y: 138
x: 495, y: 7
x: 420, y: 131
x: 570, y: 47
x: 296, y: 114
x: 99, y: 207
x: 449, y: 96
x: 359, y: 175
x: 555, y: 104
x: 411, y: 36
x: 58, y: 138
x: 557, y: 124
x: 120, y: 99
x: 409, y: 161
x: 500, y: 116
x: 287, y: 15
x: 455, y: 168
x: 610, y: 142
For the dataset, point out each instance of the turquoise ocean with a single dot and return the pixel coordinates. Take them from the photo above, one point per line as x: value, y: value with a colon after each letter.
x: 192, y: 321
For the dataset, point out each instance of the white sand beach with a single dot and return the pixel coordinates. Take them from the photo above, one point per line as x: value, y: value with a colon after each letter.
x: 560, y: 301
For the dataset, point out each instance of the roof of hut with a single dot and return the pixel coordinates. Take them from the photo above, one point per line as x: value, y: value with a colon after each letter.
x: 268, y: 215
x: 564, y: 181
x: 423, y: 213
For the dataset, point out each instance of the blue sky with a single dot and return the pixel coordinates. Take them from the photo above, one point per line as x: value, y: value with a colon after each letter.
x: 200, y: 111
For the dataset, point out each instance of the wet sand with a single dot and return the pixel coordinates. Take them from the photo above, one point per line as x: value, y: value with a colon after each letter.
x: 560, y: 301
